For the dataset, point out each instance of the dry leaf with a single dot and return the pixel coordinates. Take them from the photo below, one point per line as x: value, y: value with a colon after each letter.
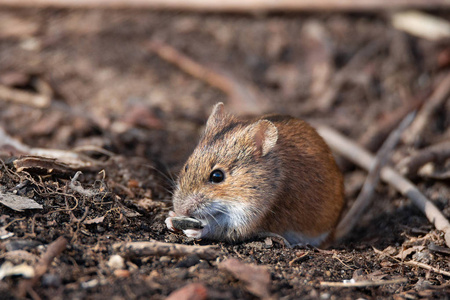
x: 390, y: 250
x: 403, y: 254
x: 192, y: 291
x: 256, y: 278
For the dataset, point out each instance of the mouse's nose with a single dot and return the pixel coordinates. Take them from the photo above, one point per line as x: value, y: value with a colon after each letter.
x: 183, y: 211
x: 187, y: 205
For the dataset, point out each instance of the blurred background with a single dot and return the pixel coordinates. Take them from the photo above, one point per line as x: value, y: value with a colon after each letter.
x: 109, y: 80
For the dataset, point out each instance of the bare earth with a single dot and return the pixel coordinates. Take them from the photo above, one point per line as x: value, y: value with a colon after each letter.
x: 109, y: 89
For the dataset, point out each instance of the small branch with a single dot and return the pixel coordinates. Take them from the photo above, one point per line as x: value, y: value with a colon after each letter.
x: 351, y: 151
x: 440, y: 94
x: 243, y: 98
x: 413, y: 263
x: 425, y: 266
x: 436, y: 153
x: 155, y: 248
x: 22, y: 97
x: 53, y: 251
x: 365, y: 196
x: 247, y: 6
x: 342, y: 76
x: 298, y: 258
x: 366, y: 283
x: 375, y: 135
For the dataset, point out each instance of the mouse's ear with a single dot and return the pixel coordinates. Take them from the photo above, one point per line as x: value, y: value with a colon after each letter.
x: 265, y: 136
x: 216, y: 117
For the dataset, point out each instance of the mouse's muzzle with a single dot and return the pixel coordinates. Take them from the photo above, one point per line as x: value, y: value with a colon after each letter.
x: 221, y: 220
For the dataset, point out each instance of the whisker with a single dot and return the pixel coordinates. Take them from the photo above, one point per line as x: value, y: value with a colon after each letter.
x: 222, y: 210
x: 167, y: 178
x: 167, y: 190
x: 212, y: 217
x: 168, y: 171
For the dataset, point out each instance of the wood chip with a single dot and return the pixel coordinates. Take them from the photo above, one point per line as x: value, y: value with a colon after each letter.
x: 18, y: 203
x: 42, y: 166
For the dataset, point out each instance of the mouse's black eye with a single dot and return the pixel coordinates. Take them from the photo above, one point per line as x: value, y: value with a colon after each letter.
x: 186, y: 167
x: 216, y: 176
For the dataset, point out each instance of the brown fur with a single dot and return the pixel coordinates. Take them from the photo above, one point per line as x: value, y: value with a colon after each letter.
x: 278, y: 165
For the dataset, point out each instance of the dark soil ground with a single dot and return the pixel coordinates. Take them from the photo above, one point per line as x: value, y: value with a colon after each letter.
x: 110, y: 91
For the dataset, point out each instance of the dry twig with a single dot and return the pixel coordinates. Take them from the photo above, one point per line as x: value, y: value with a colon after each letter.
x: 243, y: 98
x: 365, y: 196
x: 156, y: 248
x: 22, y: 97
x: 377, y: 134
x: 53, y: 250
x: 412, y: 263
x: 436, y: 100
x: 351, y: 151
x: 425, y: 266
x: 365, y: 283
x: 247, y: 6
x: 298, y: 258
x: 328, y: 97
x: 435, y: 153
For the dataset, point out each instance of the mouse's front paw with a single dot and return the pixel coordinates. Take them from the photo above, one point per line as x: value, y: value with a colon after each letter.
x: 191, y: 227
x: 169, y: 222
x: 193, y: 233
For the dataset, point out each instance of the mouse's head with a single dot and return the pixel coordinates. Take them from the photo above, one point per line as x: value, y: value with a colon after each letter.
x: 230, y: 177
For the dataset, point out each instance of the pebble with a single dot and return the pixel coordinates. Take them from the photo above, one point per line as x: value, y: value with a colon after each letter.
x: 164, y: 259
x: 51, y: 280
x: 116, y: 262
x: 188, y: 262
